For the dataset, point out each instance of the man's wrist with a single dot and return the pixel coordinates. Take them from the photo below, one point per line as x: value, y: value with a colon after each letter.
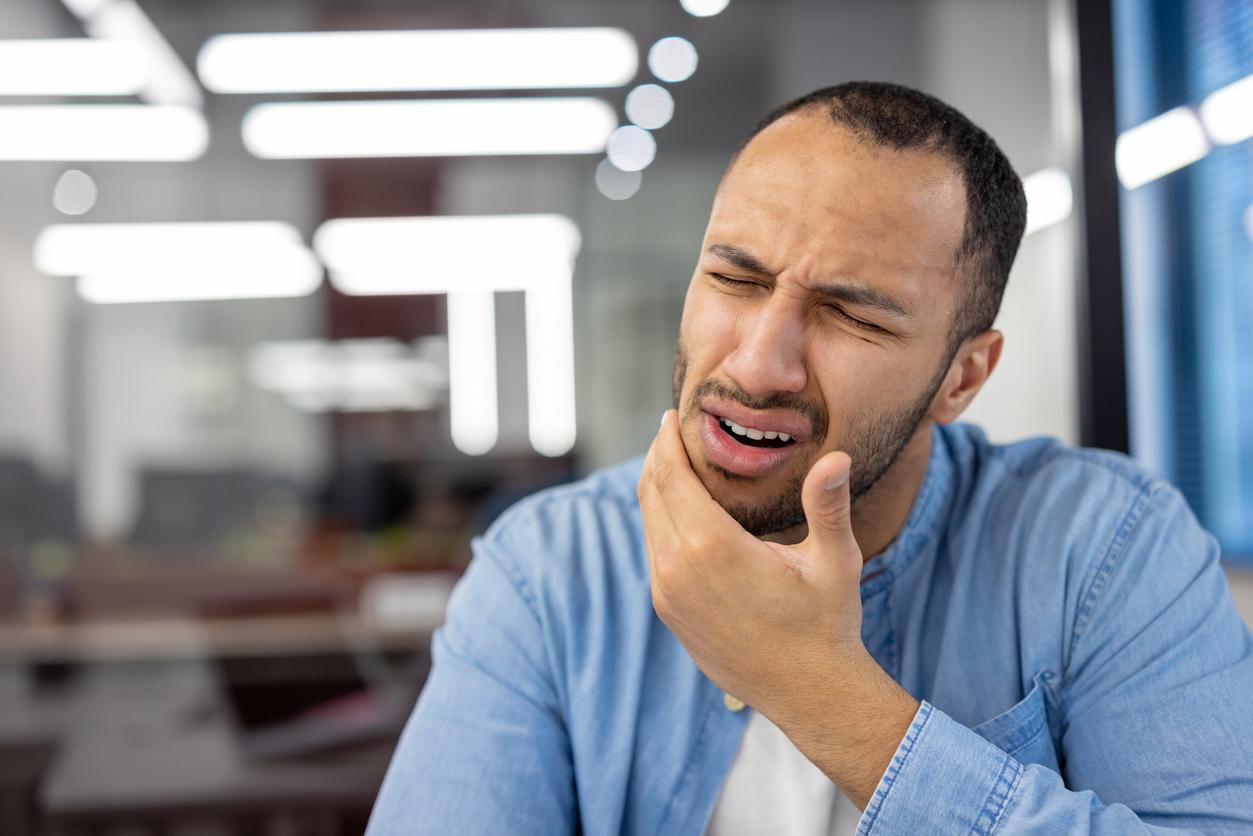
x: 849, y: 721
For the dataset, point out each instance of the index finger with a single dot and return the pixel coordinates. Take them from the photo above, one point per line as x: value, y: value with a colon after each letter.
x: 669, y: 471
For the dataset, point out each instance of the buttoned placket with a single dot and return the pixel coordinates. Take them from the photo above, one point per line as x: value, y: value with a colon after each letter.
x: 877, y: 633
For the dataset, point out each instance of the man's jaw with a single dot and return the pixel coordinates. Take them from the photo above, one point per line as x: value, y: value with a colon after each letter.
x: 762, y: 505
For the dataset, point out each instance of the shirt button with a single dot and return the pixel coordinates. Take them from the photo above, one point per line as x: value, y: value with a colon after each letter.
x: 732, y: 703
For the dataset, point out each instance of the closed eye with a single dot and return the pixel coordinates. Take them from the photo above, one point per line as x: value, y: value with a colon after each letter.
x: 840, y: 313
x: 727, y: 280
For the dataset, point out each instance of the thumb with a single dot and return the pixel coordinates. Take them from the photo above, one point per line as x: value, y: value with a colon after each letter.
x: 826, y: 499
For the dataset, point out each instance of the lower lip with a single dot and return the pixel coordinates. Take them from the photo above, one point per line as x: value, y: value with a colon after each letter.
x: 740, y: 459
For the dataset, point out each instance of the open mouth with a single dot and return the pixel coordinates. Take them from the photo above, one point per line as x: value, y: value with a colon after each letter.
x: 751, y: 437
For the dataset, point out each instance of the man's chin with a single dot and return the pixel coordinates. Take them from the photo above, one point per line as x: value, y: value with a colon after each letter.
x: 754, y: 488
x: 760, y: 504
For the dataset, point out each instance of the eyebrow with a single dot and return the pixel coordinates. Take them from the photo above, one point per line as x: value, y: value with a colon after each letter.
x: 740, y: 258
x: 864, y: 297
x: 850, y: 293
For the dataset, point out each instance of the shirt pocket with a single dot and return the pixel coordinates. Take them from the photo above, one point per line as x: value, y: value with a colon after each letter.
x: 1023, y: 730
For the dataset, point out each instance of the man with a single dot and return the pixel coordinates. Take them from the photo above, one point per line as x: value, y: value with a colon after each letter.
x: 935, y: 633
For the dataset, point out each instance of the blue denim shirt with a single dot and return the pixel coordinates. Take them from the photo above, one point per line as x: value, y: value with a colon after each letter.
x: 1059, y: 612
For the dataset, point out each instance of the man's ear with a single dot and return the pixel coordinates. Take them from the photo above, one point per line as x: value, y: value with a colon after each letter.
x: 969, y: 370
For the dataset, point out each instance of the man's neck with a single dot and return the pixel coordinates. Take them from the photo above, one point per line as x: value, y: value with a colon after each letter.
x: 879, y: 516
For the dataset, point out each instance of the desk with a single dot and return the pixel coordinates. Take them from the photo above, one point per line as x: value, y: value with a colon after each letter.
x: 181, y: 638
x: 145, y: 738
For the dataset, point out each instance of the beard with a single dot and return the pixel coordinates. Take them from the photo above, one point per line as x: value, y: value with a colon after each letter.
x: 873, y: 438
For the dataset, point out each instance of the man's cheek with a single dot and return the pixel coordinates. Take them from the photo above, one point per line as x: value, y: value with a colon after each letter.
x: 689, y: 434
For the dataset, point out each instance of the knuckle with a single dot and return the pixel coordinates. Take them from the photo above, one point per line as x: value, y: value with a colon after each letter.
x: 659, y: 603
x: 702, y: 542
x: 669, y: 574
x: 663, y: 574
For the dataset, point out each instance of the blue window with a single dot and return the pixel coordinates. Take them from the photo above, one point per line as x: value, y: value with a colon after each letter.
x: 1188, y: 265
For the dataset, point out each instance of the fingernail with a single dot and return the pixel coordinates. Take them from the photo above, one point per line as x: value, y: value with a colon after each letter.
x: 836, y: 481
x: 663, y: 419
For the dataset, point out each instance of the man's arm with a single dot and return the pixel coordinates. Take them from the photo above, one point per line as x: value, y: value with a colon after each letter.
x: 1158, y: 694
x: 486, y: 750
x: 1157, y: 681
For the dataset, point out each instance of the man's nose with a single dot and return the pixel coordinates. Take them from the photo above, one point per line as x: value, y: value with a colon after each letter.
x: 770, y: 356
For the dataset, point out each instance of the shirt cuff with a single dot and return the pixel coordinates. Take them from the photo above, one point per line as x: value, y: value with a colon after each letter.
x: 943, y: 778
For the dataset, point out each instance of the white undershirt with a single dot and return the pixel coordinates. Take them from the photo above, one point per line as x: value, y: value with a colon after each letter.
x: 773, y: 790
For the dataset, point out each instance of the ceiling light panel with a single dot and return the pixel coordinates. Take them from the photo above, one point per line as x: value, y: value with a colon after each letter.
x: 442, y: 254
x: 1228, y: 113
x: 1159, y: 146
x: 164, y: 262
x: 102, y: 132
x: 70, y: 67
x: 469, y: 258
x: 123, y: 22
x: 432, y: 128
x: 475, y: 59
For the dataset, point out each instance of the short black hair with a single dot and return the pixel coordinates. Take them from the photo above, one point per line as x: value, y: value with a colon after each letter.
x: 901, y: 118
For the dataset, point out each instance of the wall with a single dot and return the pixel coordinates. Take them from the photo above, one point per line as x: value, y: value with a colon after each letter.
x: 115, y: 389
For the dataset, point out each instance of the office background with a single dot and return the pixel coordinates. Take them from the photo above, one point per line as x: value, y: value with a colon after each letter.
x: 254, y: 401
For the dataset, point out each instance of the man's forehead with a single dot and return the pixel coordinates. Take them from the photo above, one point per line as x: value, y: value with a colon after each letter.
x: 811, y: 154
x: 805, y: 181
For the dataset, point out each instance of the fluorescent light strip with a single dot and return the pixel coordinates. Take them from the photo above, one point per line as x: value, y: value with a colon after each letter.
x: 1049, y: 198
x: 1159, y: 146
x: 84, y: 10
x: 274, y: 275
x: 164, y: 262
x: 550, y: 367
x: 474, y: 59
x: 442, y: 254
x: 99, y: 132
x: 469, y: 258
x: 431, y: 128
x: 168, y: 82
x: 70, y: 67
x: 1228, y: 113
x: 472, y: 371
x: 77, y: 249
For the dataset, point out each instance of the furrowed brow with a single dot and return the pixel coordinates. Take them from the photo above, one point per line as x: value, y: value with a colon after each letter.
x: 866, y: 297
x: 741, y: 258
x: 849, y: 293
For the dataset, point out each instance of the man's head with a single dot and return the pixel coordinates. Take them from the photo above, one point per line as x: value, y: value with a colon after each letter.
x: 853, y: 264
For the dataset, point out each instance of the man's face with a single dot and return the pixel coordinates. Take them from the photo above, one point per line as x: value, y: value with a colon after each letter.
x: 818, y: 316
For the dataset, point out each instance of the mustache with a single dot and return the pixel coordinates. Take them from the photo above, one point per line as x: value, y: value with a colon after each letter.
x: 816, y: 415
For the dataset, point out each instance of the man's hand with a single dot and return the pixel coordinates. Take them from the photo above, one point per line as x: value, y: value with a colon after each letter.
x: 777, y: 626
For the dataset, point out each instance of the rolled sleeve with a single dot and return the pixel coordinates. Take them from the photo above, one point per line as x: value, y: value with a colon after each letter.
x: 943, y: 778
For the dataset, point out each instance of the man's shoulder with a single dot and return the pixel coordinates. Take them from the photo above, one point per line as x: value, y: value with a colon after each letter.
x: 609, y: 490
x: 572, y: 531
x: 1081, y: 507
x: 1042, y: 466
x: 1067, y: 535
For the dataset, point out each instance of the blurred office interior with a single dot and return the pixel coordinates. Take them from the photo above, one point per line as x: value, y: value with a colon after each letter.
x: 297, y: 296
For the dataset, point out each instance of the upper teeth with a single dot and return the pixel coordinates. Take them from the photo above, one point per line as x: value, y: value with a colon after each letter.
x: 753, y: 433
